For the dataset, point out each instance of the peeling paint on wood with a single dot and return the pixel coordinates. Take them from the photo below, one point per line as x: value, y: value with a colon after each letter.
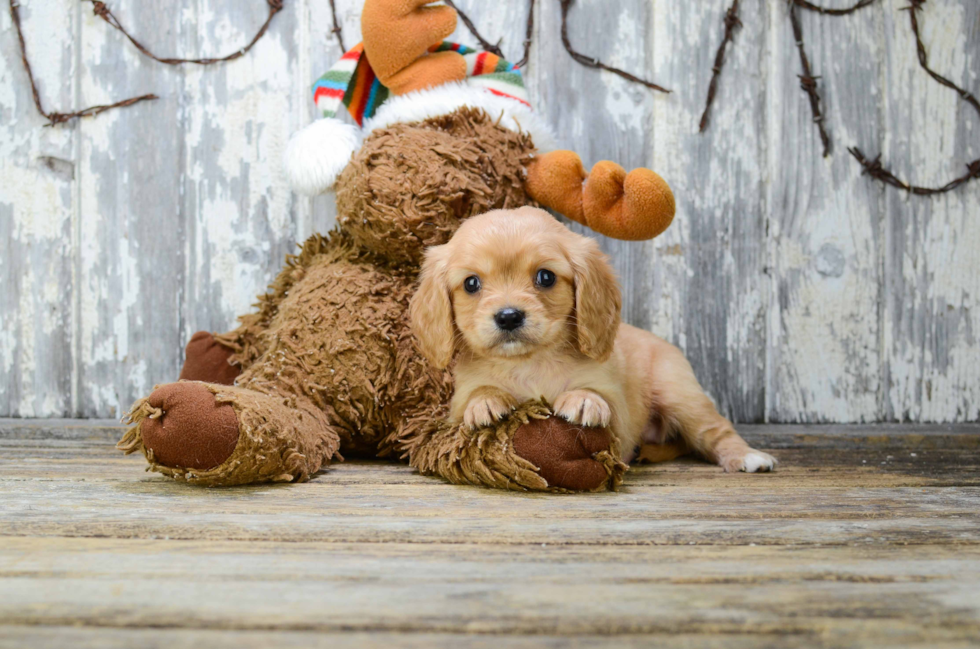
x: 37, y: 216
x: 931, y: 318
x: 824, y: 354
x: 800, y: 290
x: 709, y: 271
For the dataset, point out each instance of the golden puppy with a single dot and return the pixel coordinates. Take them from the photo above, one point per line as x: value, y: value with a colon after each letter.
x: 530, y: 309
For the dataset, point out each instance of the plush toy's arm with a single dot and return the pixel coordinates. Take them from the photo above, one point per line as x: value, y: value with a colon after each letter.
x: 632, y: 206
x: 528, y: 451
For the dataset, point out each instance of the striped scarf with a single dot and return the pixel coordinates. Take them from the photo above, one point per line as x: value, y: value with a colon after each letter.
x: 351, y: 81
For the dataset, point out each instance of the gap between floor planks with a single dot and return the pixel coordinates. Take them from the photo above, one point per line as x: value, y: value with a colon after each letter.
x: 863, y: 534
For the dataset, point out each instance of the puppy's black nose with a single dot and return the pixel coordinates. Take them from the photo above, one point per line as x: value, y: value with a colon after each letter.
x: 509, y: 319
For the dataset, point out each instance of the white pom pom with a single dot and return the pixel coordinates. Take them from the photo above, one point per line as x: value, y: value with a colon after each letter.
x: 318, y: 153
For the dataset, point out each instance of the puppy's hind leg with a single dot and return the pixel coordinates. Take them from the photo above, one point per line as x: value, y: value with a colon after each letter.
x: 680, y: 400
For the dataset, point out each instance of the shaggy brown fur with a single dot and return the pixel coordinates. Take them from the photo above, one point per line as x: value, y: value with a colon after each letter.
x: 411, y: 184
x: 279, y: 439
x: 494, y: 457
x: 328, y: 361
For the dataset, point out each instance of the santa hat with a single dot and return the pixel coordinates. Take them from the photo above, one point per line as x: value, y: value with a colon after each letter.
x: 318, y: 153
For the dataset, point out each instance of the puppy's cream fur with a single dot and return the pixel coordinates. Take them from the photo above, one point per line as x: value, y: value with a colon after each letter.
x: 572, y: 349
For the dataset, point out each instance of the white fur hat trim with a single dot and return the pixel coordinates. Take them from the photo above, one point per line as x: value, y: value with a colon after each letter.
x: 318, y: 153
x: 444, y: 99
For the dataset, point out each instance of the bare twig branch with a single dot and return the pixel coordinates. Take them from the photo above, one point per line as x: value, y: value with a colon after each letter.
x: 924, y: 59
x: 484, y: 43
x: 876, y: 170
x: 807, y: 81
x: 809, y: 6
x: 528, y: 36
x: 591, y: 62
x: 337, y: 31
x: 56, y: 117
x: 103, y: 12
x: 490, y: 47
x: 732, y: 22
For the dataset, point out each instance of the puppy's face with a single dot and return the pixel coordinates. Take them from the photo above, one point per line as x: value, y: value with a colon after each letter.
x: 512, y: 288
x: 512, y: 281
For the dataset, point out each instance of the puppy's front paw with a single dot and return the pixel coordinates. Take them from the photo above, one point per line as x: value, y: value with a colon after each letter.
x: 583, y: 407
x: 752, y: 461
x: 486, y: 409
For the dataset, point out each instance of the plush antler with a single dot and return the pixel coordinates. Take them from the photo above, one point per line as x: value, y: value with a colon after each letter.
x: 397, y: 36
x: 631, y: 206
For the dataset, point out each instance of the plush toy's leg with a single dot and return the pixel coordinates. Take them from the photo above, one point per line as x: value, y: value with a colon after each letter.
x: 217, y: 435
x: 205, y: 359
x: 397, y: 36
x: 631, y: 206
x: 529, y: 451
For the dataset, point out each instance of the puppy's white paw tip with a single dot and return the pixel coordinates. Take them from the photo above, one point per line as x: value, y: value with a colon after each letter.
x: 583, y: 409
x: 755, y: 462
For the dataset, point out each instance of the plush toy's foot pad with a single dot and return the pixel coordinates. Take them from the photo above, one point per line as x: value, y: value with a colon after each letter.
x: 225, y: 435
x: 207, y: 360
x: 188, y: 428
x: 566, y: 455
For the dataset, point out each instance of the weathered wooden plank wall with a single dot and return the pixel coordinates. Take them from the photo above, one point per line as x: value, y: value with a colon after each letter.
x: 800, y: 290
x: 823, y: 222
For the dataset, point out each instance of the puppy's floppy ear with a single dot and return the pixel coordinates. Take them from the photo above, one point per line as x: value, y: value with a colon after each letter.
x: 597, y: 300
x: 431, y: 311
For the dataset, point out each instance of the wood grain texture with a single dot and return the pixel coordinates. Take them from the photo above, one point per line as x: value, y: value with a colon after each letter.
x: 843, y: 487
x: 598, y: 115
x: 824, y: 222
x: 508, y: 591
x: 103, y: 638
x: 89, y: 638
x: 800, y: 290
x: 241, y: 213
x: 931, y: 318
x: 368, y: 514
x: 94, y: 552
x: 710, y: 289
x: 131, y: 228
x: 37, y: 214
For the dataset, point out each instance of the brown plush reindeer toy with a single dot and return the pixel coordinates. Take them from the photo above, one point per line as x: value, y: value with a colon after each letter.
x: 327, y: 364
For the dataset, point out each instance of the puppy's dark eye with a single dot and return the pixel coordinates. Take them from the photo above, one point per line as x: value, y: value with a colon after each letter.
x: 545, y: 278
x: 471, y: 284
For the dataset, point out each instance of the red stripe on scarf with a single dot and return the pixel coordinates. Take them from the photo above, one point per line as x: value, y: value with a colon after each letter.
x: 368, y: 81
x: 328, y: 92
x: 354, y: 53
x: 478, y: 66
x: 504, y: 94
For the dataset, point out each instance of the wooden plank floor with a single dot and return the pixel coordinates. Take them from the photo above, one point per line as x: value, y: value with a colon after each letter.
x: 865, y: 536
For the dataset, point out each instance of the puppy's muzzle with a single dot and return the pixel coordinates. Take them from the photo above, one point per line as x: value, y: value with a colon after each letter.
x: 509, y: 319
